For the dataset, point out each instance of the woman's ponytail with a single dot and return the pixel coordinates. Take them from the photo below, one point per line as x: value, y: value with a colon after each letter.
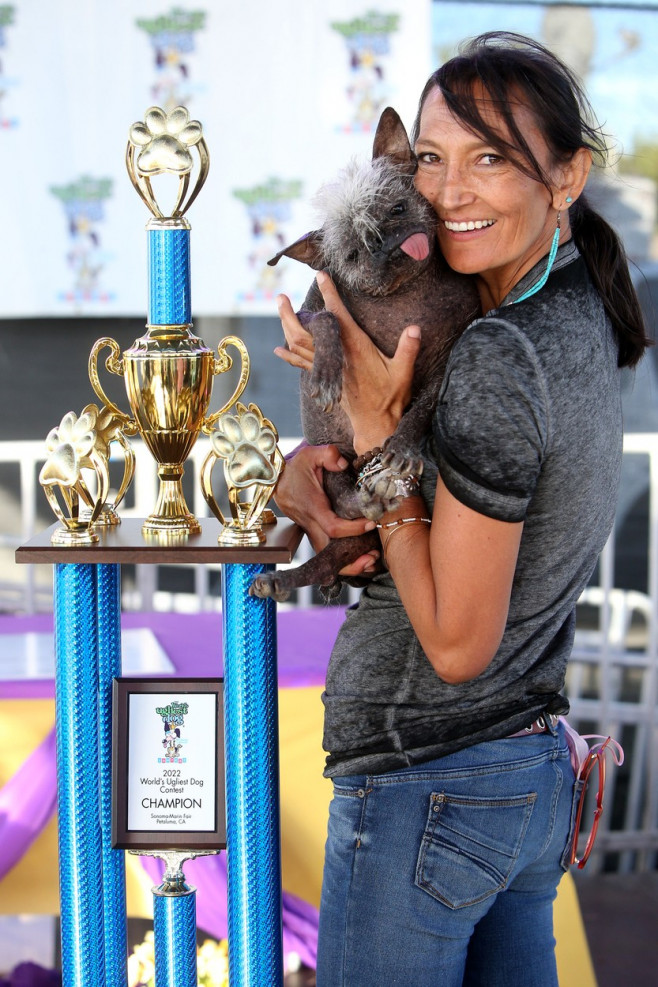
x: 606, y: 262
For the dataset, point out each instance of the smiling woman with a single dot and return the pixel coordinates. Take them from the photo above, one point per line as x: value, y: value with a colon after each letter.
x: 495, y: 219
x: 454, y: 795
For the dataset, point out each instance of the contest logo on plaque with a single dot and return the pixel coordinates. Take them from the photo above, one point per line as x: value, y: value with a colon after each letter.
x: 168, y: 768
x: 173, y: 716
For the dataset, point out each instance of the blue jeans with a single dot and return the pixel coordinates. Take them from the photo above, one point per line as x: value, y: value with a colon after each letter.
x: 445, y: 873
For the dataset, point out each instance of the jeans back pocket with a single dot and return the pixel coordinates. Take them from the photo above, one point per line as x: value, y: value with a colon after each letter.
x: 470, y: 846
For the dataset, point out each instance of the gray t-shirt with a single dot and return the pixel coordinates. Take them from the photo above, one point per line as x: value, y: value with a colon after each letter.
x: 528, y: 428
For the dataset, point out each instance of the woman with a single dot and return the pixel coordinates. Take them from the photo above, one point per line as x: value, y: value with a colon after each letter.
x: 453, y: 790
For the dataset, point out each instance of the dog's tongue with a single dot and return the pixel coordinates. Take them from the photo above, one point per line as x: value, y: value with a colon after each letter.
x: 417, y: 246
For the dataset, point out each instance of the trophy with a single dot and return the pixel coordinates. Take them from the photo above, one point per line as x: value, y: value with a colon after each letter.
x: 168, y: 372
x: 76, y: 444
x: 247, y: 442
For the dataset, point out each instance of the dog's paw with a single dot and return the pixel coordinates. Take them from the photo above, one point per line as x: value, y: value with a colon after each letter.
x: 379, y: 496
x: 401, y: 462
x: 331, y: 591
x: 270, y: 585
x: 325, y: 390
x: 385, y: 489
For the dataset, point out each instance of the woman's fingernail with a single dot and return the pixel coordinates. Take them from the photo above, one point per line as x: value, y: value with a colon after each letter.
x: 370, y: 526
x: 321, y: 278
x: 342, y: 463
x: 414, y: 332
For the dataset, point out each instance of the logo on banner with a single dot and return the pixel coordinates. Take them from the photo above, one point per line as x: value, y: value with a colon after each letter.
x: 172, y: 38
x: 368, y: 41
x: 83, y: 201
x: 173, y: 719
x: 269, y: 209
x: 6, y: 83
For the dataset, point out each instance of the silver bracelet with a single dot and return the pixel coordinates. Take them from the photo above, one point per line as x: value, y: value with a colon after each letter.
x: 371, y: 468
x: 405, y: 486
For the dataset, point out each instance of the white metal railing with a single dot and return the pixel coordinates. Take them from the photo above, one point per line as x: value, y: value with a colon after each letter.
x: 612, y: 680
x: 612, y: 684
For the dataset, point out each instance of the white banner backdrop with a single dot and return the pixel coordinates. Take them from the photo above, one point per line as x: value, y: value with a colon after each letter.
x: 286, y: 91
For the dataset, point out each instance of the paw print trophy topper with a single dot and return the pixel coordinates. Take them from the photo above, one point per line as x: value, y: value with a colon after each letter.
x: 247, y: 442
x: 168, y: 372
x: 80, y: 444
x: 165, y: 140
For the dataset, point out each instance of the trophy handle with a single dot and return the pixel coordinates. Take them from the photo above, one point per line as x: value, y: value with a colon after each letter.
x: 222, y: 363
x: 205, y: 476
x: 114, y: 364
x: 128, y: 467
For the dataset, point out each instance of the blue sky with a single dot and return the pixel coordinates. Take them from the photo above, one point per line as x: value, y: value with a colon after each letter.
x: 623, y: 81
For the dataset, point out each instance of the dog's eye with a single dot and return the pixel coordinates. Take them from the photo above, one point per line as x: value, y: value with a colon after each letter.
x: 353, y: 257
x: 399, y: 208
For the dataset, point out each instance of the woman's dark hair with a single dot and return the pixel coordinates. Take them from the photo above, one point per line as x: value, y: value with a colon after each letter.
x: 508, y: 66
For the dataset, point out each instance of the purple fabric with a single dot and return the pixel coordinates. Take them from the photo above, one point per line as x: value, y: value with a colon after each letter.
x: 27, y: 801
x: 31, y: 975
x: 193, y: 642
x: 208, y: 876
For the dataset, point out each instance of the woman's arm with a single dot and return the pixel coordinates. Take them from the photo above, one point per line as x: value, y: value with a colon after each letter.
x: 455, y: 577
x: 300, y: 492
x: 301, y: 496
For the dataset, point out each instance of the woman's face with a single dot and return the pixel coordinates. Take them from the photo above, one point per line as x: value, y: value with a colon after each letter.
x: 494, y: 220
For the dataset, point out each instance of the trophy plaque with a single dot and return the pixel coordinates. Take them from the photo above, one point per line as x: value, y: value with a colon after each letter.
x: 168, y: 764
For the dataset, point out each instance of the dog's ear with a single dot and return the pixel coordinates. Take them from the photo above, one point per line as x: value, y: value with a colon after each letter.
x: 391, y: 141
x: 308, y: 250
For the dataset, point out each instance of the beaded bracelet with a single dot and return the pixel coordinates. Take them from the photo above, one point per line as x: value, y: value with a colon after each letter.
x: 397, y: 526
x: 404, y: 520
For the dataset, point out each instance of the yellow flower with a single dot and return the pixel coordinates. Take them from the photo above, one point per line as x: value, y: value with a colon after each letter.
x: 141, y: 964
x: 212, y: 964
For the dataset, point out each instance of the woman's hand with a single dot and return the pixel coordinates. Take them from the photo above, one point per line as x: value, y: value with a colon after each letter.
x: 300, y: 342
x: 376, y: 388
x: 301, y: 496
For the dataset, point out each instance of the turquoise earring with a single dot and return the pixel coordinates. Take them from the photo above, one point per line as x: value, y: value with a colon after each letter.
x: 569, y: 199
x: 551, y: 257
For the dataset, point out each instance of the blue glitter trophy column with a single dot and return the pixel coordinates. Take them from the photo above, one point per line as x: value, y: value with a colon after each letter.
x: 168, y: 362
x: 88, y: 650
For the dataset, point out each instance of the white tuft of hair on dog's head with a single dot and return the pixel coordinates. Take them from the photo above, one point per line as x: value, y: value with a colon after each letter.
x: 346, y: 205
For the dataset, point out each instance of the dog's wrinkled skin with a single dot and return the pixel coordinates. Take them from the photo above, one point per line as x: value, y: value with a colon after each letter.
x: 378, y: 243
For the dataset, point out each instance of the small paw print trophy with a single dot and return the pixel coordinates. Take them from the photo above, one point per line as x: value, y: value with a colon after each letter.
x: 78, y: 449
x: 247, y: 442
x: 168, y: 372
